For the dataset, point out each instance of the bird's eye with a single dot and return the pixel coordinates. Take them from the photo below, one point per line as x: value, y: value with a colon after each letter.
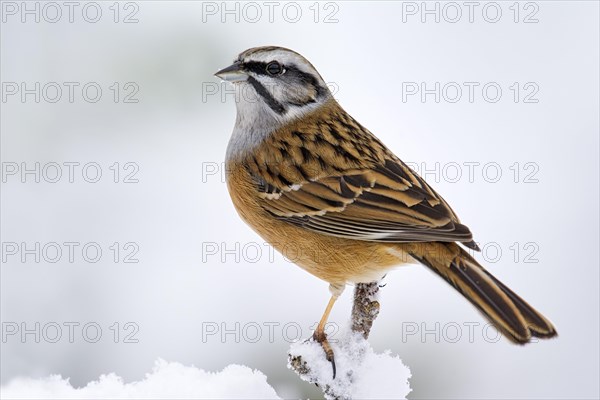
x: 274, y: 68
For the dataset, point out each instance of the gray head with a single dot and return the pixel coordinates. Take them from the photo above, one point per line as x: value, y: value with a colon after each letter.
x: 273, y: 86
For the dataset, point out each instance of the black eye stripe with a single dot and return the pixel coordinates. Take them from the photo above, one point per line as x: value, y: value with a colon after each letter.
x: 292, y: 75
x: 260, y: 68
x: 307, y: 78
x: 257, y: 67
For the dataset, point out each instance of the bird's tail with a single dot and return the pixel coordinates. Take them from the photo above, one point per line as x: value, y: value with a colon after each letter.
x: 516, y: 319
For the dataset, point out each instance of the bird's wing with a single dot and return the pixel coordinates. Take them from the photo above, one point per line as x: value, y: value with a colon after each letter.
x: 331, y: 175
x: 385, y: 203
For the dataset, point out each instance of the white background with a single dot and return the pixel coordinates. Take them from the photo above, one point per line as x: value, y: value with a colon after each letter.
x: 179, y: 130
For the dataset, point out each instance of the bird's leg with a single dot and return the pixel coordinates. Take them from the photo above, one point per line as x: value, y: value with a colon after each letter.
x: 321, y: 337
x: 319, y: 334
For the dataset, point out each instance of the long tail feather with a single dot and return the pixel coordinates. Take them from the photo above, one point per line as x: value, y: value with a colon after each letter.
x: 505, y: 309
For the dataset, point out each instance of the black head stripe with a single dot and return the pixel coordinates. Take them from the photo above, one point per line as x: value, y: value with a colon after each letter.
x: 307, y: 78
x: 292, y: 71
x: 259, y: 68
x: 266, y: 96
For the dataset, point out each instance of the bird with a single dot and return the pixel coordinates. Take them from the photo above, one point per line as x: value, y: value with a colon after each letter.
x: 305, y: 175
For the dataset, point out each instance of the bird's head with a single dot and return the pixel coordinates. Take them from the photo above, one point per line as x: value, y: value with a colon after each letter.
x: 274, y: 83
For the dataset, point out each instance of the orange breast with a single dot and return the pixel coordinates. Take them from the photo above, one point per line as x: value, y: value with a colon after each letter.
x: 332, y: 259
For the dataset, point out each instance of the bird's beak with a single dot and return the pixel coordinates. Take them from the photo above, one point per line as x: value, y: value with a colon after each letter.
x: 233, y: 73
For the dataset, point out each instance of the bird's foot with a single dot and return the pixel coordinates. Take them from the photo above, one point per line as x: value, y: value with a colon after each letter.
x: 321, y: 338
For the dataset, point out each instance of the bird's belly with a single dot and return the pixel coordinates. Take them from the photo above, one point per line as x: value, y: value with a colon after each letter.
x: 334, y: 260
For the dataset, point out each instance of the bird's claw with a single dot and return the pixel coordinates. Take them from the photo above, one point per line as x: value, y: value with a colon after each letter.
x: 321, y: 338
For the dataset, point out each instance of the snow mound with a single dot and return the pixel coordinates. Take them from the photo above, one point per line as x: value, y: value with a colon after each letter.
x: 168, y: 380
x: 361, y: 373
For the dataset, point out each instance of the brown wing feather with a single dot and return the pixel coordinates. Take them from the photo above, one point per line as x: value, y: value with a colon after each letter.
x: 334, y: 177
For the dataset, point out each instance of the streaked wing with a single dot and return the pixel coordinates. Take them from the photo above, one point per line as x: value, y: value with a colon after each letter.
x: 387, y: 203
x: 329, y: 174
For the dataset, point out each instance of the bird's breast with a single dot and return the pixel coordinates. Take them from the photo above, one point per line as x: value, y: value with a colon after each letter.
x: 332, y: 259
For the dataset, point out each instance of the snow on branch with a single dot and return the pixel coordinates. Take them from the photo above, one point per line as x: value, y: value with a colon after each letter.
x: 361, y: 373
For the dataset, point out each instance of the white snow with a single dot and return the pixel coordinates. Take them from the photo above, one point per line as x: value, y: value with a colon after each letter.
x: 361, y: 373
x: 168, y: 380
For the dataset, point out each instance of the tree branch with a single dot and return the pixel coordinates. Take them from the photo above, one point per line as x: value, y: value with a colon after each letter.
x: 308, y: 359
x: 365, y: 308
